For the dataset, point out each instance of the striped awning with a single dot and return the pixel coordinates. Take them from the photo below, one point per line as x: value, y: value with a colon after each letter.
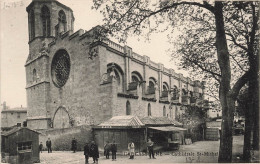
x: 168, y: 128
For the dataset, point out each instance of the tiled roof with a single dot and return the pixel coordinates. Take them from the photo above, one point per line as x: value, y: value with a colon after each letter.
x: 159, y: 121
x: 123, y: 121
x: 18, y: 110
x: 16, y: 129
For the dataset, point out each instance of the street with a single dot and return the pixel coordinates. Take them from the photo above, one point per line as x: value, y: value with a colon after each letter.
x: 198, y: 152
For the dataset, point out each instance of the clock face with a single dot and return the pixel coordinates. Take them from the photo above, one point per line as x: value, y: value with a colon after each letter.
x: 60, y: 68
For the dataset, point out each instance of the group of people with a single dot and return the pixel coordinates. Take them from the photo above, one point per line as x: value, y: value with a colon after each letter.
x: 91, y: 150
x: 48, y: 145
x: 110, y: 147
x: 150, y: 144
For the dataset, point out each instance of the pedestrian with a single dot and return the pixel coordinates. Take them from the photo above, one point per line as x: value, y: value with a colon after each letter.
x: 93, y: 152
x: 40, y: 147
x: 74, y: 145
x: 131, y: 148
x: 86, y: 153
x: 113, y: 150
x: 107, y: 150
x: 48, y: 145
x: 150, y: 144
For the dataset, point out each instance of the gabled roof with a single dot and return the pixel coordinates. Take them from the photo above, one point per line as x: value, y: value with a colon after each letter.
x: 123, y: 121
x: 14, y: 130
x: 159, y: 121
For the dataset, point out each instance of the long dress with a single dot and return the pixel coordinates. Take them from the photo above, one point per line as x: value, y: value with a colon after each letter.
x: 131, y: 148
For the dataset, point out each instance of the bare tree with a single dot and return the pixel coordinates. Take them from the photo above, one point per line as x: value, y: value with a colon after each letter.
x: 210, y: 48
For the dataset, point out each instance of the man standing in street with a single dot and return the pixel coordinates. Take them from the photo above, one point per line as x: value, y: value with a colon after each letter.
x: 113, y: 150
x: 86, y: 152
x: 74, y: 145
x: 93, y: 152
x: 150, y: 148
x: 48, y: 145
x: 107, y: 149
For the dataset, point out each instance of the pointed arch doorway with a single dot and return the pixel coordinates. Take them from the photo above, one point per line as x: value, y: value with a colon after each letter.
x: 61, y: 118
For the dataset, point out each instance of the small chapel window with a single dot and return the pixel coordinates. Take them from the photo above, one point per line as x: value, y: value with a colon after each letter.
x: 45, y: 14
x: 34, y: 75
x: 164, y: 111
x: 32, y: 24
x: 149, y: 110
x: 62, y: 21
x: 128, y: 108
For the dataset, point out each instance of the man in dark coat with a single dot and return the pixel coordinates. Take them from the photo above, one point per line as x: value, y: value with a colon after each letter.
x: 107, y: 149
x: 48, y: 145
x: 93, y: 152
x: 86, y: 153
x: 113, y: 150
x: 150, y: 148
x: 74, y: 145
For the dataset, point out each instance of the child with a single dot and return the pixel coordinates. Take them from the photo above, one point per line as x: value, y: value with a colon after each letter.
x: 40, y: 147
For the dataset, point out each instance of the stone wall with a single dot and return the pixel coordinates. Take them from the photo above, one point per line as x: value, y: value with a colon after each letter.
x: 61, y: 138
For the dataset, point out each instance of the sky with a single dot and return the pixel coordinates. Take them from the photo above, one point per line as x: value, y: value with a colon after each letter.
x: 14, y: 47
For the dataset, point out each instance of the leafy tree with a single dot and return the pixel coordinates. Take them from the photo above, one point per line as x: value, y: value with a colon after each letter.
x: 219, y: 42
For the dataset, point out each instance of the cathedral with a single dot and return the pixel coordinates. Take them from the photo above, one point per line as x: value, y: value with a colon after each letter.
x: 74, y: 79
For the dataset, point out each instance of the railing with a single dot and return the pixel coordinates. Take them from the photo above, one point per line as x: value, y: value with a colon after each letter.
x: 151, y: 90
x: 137, y: 56
x: 115, y: 46
x: 164, y: 93
x: 184, y: 99
x: 193, y: 100
x: 133, y: 86
x: 153, y: 64
x: 166, y: 70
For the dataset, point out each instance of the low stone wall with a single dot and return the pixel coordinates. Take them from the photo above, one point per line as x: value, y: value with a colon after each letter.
x: 61, y: 138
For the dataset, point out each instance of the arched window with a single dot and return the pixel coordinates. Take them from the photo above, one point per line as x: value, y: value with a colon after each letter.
x: 117, y: 72
x: 62, y: 22
x: 164, y: 111
x: 151, y: 87
x: 32, y: 24
x: 136, y: 76
x: 149, y: 110
x: 175, y: 92
x: 135, y: 79
x: 165, y: 90
x: 46, y: 27
x: 128, y: 108
x: 34, y: 75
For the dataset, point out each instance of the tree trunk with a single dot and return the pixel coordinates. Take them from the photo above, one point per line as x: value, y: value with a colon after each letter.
x: 256, y: 126
x: 248, y: 130
x: 256, y: 111
x: 225, y: 149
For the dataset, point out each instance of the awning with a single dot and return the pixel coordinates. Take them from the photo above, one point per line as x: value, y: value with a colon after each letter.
x: 121, y: 122
x: 168, y: 128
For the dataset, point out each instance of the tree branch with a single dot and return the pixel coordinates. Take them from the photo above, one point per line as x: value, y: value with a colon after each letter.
x: 235, y: 42
x: 239, y: 84
x: 237, y: 63
x: 214, y: 74
x: 204, y: 5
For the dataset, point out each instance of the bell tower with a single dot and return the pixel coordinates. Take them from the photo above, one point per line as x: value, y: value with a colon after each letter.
x: 47, y: 19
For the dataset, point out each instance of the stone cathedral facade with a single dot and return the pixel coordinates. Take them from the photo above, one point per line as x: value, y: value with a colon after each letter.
x: 65, y: 87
